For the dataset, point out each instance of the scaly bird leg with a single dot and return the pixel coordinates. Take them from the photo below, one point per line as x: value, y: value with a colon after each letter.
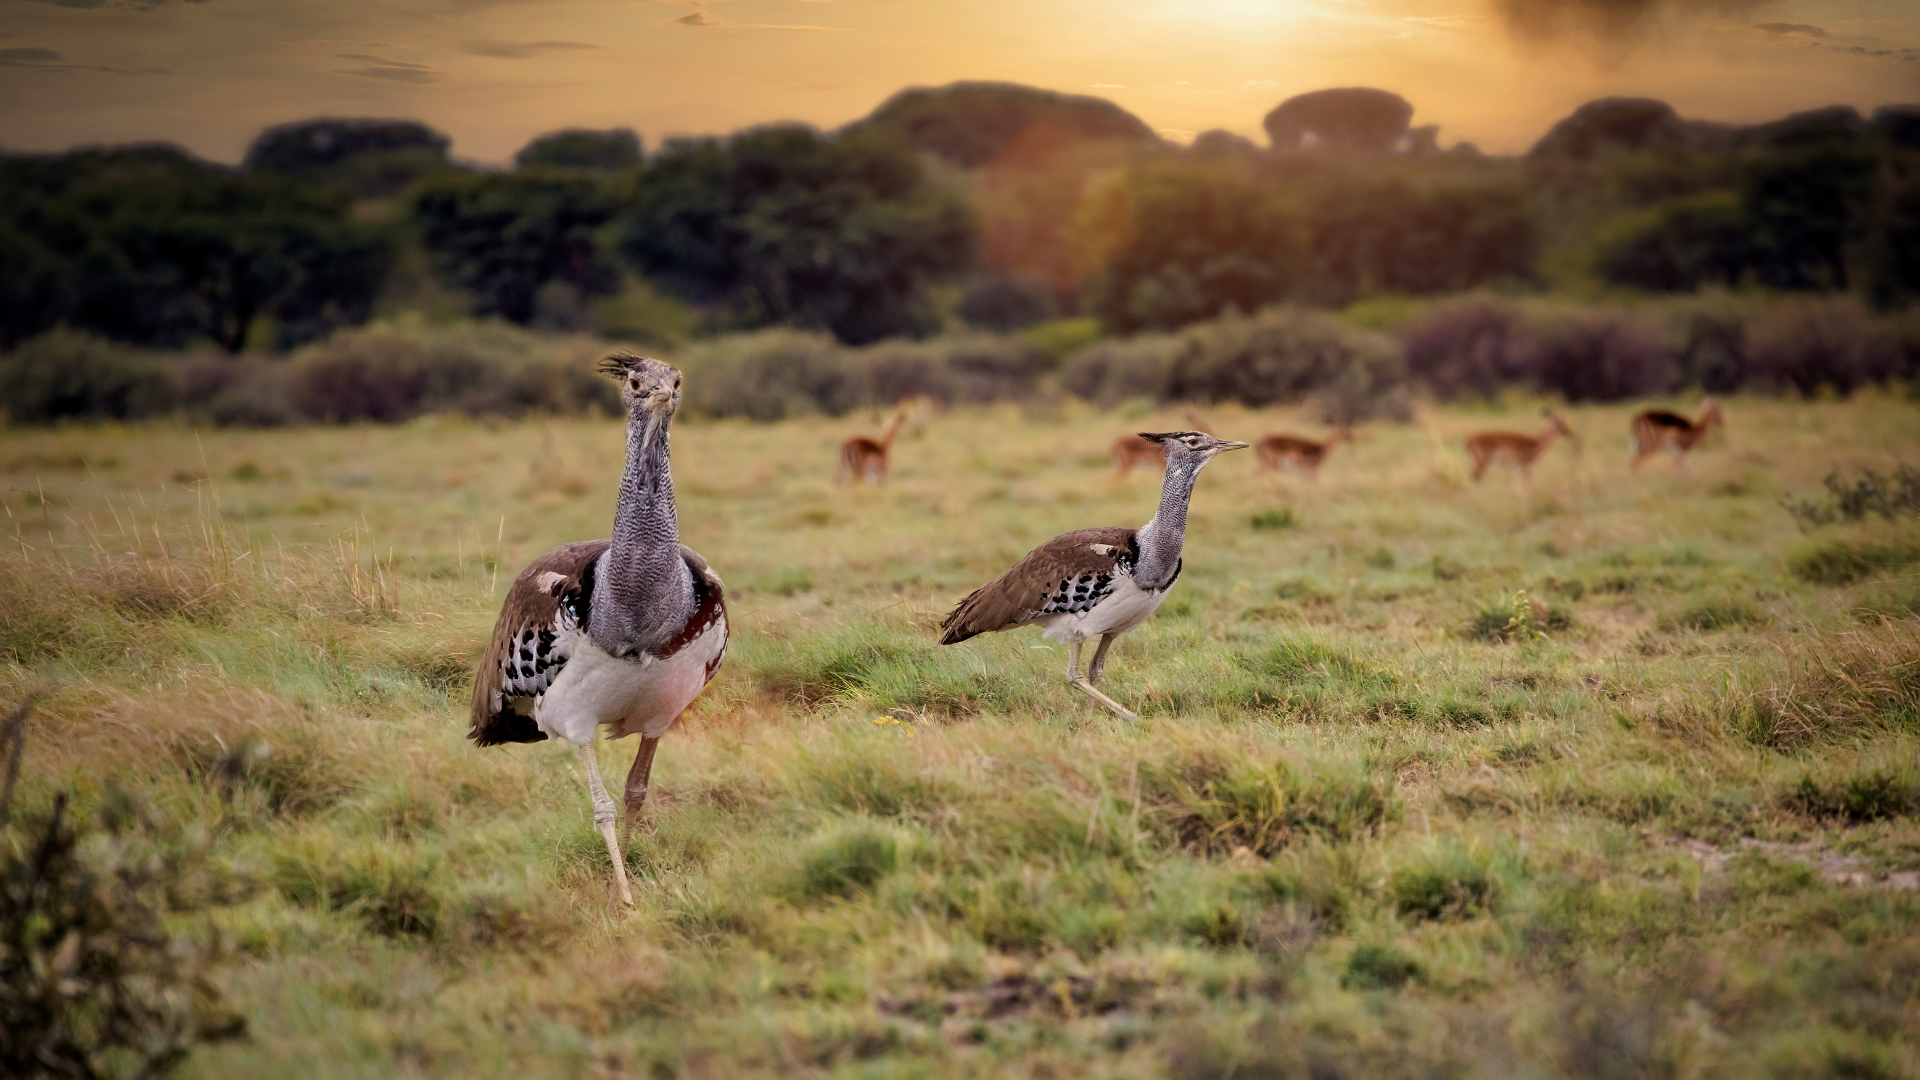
x: 603, y: 820
x: 1099, y: 659
x: 637, y: 786
x: 1079, y: 682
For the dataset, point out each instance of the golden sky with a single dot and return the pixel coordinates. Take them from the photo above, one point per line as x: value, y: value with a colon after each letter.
x: 493, y: 73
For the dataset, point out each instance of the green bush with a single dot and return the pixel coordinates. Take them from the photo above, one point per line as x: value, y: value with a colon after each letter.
x: 1379, y: 967
x: 392, y: 373
x: 1871, y: 795
x: 776, y: 374
x: 93, y: 981
x: 1449, y: 881
x: 848, y: 859
x: 1284, y: 355
x: 69, y: 375
x: 1844, y: 560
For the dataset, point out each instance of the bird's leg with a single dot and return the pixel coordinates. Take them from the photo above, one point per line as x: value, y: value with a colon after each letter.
x: 1079, y: 682
x: 603, y: 819
x: 1099, y: 659
x: 637, y: 786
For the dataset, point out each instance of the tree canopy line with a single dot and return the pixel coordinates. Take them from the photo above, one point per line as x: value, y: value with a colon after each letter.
x: 988, y: 205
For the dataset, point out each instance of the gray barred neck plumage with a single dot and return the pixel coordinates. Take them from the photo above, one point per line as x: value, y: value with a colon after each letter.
x: 1161, y: 539
x: 642, y: 590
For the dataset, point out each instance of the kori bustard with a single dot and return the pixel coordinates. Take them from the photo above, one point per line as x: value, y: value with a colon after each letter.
x: 1096, y: 582
x: 620, y: 633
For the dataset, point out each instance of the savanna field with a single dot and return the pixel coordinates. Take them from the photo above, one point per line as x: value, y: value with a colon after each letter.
x: 1602, y: 776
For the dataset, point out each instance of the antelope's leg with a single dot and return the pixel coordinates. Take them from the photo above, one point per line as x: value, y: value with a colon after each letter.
x: 603, y: 820
x: 1079, y: 682
x: 1099, y: 659
x: 637, y: 778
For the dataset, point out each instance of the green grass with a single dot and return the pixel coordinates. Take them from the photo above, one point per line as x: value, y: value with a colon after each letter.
x: 1602, y: 776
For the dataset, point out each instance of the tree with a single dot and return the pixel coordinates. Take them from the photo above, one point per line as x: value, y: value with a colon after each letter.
x: 1356, y: 117
x: 1178, y: 242
x: 578, y: 148
x: 366, y: 157
x: 785, y: 224
x: 970, y: 124
x: 1678, y: 247
x: 150, y: 246
x: 504, y: 236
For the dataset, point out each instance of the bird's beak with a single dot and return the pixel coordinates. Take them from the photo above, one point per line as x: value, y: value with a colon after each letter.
x: 1223, y: 447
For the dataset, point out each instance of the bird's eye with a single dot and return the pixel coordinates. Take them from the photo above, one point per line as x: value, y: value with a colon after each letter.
x: 635, y: 383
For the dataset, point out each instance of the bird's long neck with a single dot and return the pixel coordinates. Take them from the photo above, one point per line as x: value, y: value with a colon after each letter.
x: 643, y: 587
x: 1161, y: 539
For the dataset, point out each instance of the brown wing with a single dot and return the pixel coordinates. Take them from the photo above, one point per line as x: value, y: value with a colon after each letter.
x: 709, y: 607
x: 527, y: 651
x: 1069, y: 573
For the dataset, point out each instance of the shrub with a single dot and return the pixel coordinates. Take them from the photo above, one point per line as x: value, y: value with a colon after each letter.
x: 394, y: 891
x: 1288, y: 354
x: 1844, y: 560
x: 1211, y: 804
x: 1834, y: 341
x: 1889, y: 497
x: 1518, y: 618
x: 1597, y: 354
x: 1379, y: 967
x: 1721, y: 613
x: 1450, y: 881
x: 1872, y: 795
x: 1111, y: 371
x: 781, y: 373
x: 1466, y: 348
x: 68, y: 375
x: 848, y: 859
x: 393, y: 373
x: 1478, y: 346
x: 92, y: 980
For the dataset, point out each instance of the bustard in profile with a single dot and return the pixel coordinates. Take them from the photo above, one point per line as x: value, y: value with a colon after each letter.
x: 1096, y: 582
x: 620, y: 633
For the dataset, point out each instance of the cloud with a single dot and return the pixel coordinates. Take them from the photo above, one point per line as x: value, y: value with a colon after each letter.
x: 376, y: 67
x: 1607, y: 20
x: 134, y: 5
x: 701, y: 18
x: 1443, y: 22
x: 1259, y: 84
x: 1109, y: 86
x: 39, y: 59
x: 1790, y: 28
x: 30, y: 56
x: 508, y: 50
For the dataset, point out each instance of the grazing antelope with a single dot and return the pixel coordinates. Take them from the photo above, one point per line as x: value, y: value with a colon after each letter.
x: 864, y: 458
x: 1513, y: 448
x: 1095, y: 582
x: 621, y: 633
x: 1657, y: 429
x: 1297, y: 454
x: 1131, y: 450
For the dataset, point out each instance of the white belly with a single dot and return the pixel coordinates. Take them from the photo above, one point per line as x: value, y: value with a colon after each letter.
x: 644, y: 695
x: 1127, y: 608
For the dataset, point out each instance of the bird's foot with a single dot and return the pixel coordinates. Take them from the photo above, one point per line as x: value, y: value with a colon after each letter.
x: 1081, y: 684
x: 619, y: 857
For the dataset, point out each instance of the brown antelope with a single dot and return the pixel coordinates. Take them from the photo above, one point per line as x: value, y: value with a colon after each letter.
x: 1657, y: 429
x: 864, y: 458
x: 1131, y: 450
x: 1513, y: 448
x: 1296, y: 454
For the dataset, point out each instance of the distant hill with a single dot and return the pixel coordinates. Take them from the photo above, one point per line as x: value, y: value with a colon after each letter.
x: 971, y: 123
